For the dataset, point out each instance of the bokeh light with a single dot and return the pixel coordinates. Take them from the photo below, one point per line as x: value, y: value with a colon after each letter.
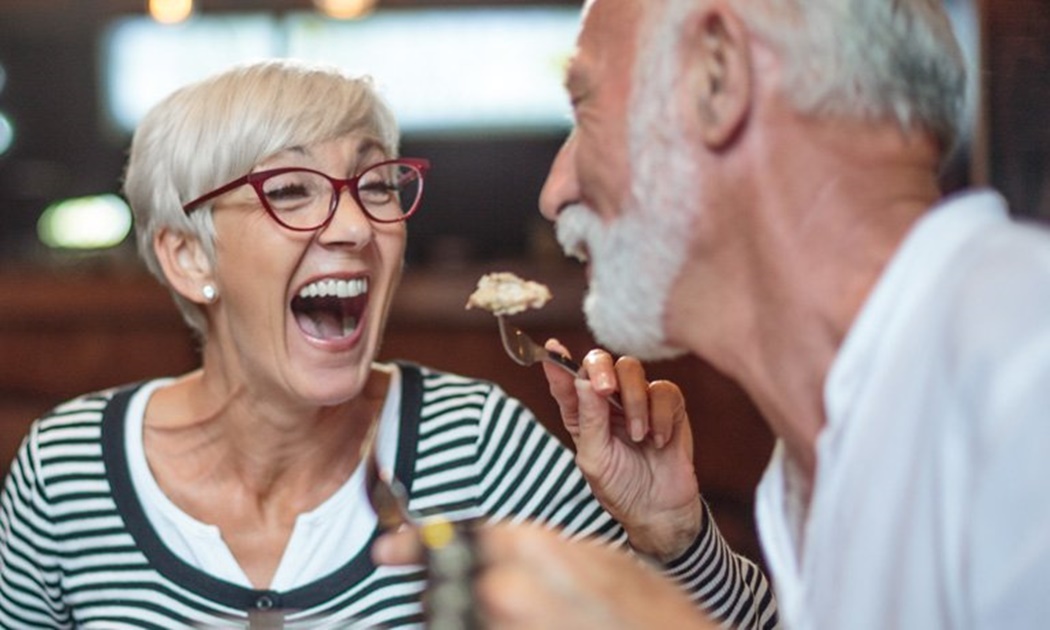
x: 95, y: 222
x: 7, y: 133
x: 170, y: 11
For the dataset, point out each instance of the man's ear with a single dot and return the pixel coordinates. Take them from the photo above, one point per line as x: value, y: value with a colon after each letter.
x: 185, y: 264
x: 718, y: 68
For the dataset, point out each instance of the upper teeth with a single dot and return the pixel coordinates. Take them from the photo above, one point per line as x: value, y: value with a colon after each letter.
x: 333, y: 287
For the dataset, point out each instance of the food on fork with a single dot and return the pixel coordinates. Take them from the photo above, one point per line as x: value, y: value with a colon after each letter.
x: 503, y: 293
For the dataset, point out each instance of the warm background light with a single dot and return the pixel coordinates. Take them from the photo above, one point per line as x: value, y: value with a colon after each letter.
x: 170, y: 11
x: 345, y: 9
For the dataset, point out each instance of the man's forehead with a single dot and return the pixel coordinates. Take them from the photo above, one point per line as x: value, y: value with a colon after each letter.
x: 608, y: 31
x: 586, y: 8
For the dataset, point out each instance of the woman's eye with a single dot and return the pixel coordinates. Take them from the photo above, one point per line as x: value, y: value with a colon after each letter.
x: 376, y: 189
x: 286, y: 191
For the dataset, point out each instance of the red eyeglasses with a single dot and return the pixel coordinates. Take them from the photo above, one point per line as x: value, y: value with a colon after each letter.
x: 303, y: 199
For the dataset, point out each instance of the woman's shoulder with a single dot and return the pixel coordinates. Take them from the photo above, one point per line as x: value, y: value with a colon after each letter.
x: 79, y: 414
x: 451, y: 383
x: 72, y: 428
x: 442, y: 392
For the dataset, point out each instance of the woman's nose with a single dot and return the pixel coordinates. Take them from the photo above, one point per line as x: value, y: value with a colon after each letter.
x: 349, y: 224
x: 561, y: 188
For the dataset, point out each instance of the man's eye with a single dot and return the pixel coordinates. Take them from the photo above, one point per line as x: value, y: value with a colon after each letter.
x: 576, y: 102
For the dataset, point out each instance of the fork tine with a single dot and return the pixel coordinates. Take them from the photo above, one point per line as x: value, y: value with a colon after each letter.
x: 510, y: 336
x: 523, y: 350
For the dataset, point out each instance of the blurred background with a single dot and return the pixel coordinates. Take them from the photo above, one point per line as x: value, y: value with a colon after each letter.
x: 477, y: 87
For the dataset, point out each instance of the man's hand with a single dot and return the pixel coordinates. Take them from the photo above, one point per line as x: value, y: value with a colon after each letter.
x: 639, y: 462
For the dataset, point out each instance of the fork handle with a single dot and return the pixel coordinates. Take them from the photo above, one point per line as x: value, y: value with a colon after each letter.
x: 573, y: 368
x: 566, y: 363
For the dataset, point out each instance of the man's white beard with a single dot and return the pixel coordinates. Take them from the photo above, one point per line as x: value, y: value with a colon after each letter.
x: 635, y: 259
x: 637, y: 256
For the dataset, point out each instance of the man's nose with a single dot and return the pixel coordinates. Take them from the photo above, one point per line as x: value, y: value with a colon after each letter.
x: 561, y: 188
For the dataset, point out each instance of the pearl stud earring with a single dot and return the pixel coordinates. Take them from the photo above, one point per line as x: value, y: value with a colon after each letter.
x: 209, y: 292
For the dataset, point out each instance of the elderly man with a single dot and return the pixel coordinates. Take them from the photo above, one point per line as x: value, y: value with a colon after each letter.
x: 755, y: 182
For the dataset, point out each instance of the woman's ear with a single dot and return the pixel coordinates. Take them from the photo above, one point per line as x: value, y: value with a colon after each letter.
x: 186, y: 265
x: 718, y: 68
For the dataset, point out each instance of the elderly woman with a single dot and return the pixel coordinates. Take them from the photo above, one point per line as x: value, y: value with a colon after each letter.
x: 272, y: 202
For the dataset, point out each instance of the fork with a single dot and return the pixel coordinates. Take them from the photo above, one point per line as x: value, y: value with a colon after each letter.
x: 524, y: 350
x: 387, y: 495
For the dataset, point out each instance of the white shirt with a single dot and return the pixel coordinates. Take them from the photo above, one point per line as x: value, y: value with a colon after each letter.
x: 322, y: 539
x: 931, y: 500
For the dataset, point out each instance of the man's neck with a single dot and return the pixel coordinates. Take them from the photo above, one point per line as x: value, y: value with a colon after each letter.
x: 806, y: 243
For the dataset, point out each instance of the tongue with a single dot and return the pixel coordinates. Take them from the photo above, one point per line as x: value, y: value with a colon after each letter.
x: 328, y: 317
x: 321, y: 324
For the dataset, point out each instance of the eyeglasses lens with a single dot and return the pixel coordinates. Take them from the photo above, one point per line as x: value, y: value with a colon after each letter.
x: 303, y: 199
x: 390, y: 192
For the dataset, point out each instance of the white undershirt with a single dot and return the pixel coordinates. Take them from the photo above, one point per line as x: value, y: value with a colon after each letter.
x: 322, y: 540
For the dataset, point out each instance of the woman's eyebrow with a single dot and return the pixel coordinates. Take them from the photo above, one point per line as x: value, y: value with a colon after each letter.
x: 370, y: 147
x: 295, y: 150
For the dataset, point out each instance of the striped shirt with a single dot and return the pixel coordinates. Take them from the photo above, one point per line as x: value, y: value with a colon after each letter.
x: 77, y: 550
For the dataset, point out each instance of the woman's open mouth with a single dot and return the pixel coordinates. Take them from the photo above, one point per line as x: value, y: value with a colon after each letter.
x: 331, y: 308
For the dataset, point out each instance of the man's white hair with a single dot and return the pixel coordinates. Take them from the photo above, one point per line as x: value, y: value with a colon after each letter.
x: 877, y: 59
x: 868, y: 59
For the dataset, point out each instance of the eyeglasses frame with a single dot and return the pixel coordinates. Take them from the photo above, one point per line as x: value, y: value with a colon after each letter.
x: 256, y: 178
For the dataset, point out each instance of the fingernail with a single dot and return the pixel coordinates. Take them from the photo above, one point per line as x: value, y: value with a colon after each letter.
x: 659, y: 440
x: 637, y: 430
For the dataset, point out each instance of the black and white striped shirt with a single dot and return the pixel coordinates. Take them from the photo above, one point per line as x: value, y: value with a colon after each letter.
x: 76, y: 549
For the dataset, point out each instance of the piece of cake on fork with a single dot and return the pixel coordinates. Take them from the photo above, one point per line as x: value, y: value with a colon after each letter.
x: 504, y: 293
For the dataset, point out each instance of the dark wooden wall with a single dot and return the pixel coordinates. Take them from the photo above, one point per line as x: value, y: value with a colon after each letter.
x: 1016, y: 76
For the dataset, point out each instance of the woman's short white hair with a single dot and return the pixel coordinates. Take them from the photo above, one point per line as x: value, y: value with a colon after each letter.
x: 208, y: 133
x: 886, y: 59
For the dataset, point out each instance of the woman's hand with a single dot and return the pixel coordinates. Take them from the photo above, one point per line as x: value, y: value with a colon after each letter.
x: 534, y: 578
x: 639, y: 462
x: 530, y: 577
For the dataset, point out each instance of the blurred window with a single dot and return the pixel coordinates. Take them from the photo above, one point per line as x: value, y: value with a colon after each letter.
x: 453, y: 70
x: 144, y: 61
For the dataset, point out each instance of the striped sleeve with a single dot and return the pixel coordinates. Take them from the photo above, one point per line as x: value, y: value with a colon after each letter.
x: 731, y: 588
x: 30, y: 584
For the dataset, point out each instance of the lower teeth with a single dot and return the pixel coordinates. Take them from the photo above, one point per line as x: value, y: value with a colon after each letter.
x: 349, y: 325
